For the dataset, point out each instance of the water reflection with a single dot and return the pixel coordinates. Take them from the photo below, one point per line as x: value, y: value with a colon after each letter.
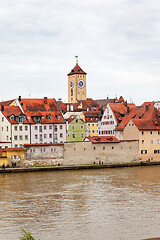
x: 92, y: 204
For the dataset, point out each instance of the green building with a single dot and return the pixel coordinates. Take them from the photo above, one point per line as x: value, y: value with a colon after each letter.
x: 77, y: 129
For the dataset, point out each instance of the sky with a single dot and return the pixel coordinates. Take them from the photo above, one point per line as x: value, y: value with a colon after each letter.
x: 117, y: 43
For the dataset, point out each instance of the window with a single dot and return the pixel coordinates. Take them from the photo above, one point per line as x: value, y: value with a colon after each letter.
x: 7, y: 128
x: 93, y: 131
x: 103, y: 148
x: 143, y: 151
x: 50, y: 127
x: 50, y: 135
x: 20, y: 119
x: 73, y: 136
x: 92, y: 124
x: 20, y: 128
x: 61, y: 135
x: 21, y: 137
x: 2, y: 119
x: 151, y: 132
x: 71, y: 92
x: 41, y: 150
x: 82, y: 135
x: 55, y: 128
x: 36, y: 136
x: 31, y: 150
x: 151, y: 141
x: 21, y: 145
x: 2, y: 128
x: 26, y: 137
x: 61, y: 126
x: 53, y: 150
x: 81, y: 127
x: 94, y: 148
x: 112, y: 147
x: 158, y: 141
x: 49, y: 117
x: 88, y: 124
x: 158, y: 132
x: 15, y: 137
x: 55, y: 136
x: 45, y: 127
x: 35, y: 127
x: 34, y: 150
x: 15, y: 128
x: 142, y: 132
x: 44, y: 150
x: 45, y: 135
x: 38, y: 119
x: 40, y: 128
x: 156, y: 151
x: 40, y: 137
x: 15, y: 145
x: 73, y: 127
x: 26, y: 128
x: 142, y: 141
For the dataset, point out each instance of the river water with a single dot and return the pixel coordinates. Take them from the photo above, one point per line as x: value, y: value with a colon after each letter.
x: 122, y: 203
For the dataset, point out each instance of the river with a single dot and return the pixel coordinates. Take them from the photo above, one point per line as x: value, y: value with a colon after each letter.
x: 119, y: 203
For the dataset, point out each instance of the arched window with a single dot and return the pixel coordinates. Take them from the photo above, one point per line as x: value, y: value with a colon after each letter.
x: 71, y: 92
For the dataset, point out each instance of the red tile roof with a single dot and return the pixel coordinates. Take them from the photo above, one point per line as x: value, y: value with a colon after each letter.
x: 72, y: 117
x: 151, y: 104
x: 119, y: 111
x: 43, y: 144
x: 15, y: 110
x: 91, y: 116
x: 76, y: 70
x: 11, y: 149
x: 144, y: 117
x: 103, y: 139
x: 6, y: 103
x: 42, y: 107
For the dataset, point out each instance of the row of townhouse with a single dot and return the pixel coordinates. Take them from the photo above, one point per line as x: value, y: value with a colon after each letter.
x: 24, y: 121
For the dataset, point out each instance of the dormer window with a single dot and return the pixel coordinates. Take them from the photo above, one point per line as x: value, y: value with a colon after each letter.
x: 20, y: 119
x: 12, y: 117
x: 58, y: 116
x: 38, y: 119
x: 49, y: 117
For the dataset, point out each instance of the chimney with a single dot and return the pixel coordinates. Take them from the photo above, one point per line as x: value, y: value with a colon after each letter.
x: 19, y: 98
x: 2, y: 108
x: 45, y: 100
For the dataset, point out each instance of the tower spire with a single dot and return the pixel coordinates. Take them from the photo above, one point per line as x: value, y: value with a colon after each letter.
x: 76, y: 59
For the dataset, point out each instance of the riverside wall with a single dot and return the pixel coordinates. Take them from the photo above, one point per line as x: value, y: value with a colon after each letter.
x: 78, y: 153
x: 81, y: 153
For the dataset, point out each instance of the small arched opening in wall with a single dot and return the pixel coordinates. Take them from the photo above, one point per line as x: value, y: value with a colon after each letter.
x: 15, y: 160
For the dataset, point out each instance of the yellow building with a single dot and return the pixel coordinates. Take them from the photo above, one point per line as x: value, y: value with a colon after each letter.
x: 91, y: 119
x: 10, y: 156
x: 76, y: 84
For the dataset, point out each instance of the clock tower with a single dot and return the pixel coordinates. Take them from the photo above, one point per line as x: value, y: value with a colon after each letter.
x: 76, y: 84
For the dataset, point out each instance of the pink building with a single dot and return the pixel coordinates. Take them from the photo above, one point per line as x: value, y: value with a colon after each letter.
x: 46, y: 120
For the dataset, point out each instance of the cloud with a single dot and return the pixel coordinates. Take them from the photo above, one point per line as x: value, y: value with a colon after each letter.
x: 117, y: 43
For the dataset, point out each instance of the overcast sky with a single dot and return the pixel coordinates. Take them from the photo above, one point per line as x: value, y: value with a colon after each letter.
x: 117, y: 41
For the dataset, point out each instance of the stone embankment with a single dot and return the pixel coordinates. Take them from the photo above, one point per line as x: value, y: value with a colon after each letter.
x: 80, y: 167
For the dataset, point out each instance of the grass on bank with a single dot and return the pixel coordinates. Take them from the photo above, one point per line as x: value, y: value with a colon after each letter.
x: 26, y: 235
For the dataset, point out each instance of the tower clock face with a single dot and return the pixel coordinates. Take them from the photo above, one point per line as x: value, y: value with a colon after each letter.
x: 71, y: 84
x: 81, y: 83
